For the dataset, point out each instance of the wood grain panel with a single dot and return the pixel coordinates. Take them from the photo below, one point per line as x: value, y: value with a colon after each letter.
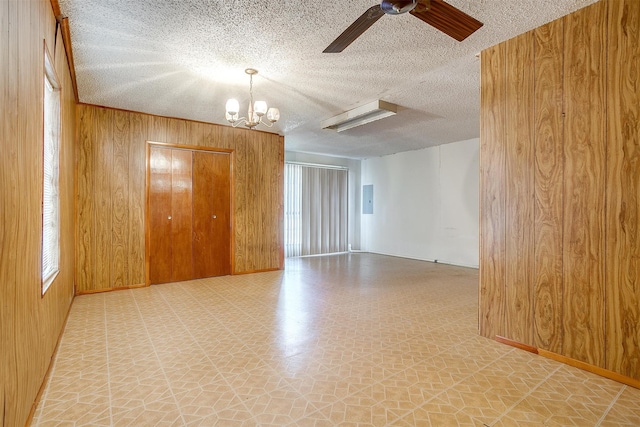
x: 137, y: 167
x: 270, y: 152
x: 519, y: 155
x: 623, y: 190
x: 584, y: 184
x: 241, y: 209
x: 181, y: 216
x: 120, y: 221
x: 157, y: 128
x: 197, y: 134
x: 160, y: 254
x: 547, y: 297
x: 276, y: 183
x: 225, y: 137
x: 177, y: 132
x: 18, y: 205
x: 210, y: 133
x: 103, y: 159
x: 5, y: 197
x: 30, y: 323
x: 279, y: 195
x: 587, y: 188
x: 85, y: 230
x: 253, y: 200
x: 13, y: 396
x: 248, y: 256
x: 492, y: 198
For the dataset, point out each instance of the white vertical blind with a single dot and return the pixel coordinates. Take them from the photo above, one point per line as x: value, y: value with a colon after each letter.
x: 50, y: 187
x: 316, y: 209
x: 292, y: 210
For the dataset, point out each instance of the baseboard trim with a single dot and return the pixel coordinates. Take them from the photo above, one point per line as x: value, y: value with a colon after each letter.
x: 632, y: 382
x: 120, y: 288
x: 516, y: 344
x: 435, y: 261
x: 256, y: 271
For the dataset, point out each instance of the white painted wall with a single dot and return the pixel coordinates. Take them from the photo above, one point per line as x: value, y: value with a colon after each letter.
x: 355, y: 189
x: 425, y: 204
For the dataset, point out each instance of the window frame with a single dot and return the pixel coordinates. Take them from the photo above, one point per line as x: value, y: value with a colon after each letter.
x: 50, y: 78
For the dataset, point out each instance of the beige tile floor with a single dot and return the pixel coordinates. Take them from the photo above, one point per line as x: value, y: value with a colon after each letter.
x: 352, y: 340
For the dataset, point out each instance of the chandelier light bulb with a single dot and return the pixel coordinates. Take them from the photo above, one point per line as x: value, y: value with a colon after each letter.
x: 260, y: 107
x: 233, y: 107
x: 273, y: 115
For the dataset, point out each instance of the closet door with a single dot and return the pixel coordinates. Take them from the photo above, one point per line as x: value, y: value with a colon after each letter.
x: 170, y: 203
x: 189, y: 214
x: 160, y: 260
x: 181, y: 216
x: 211, y: 214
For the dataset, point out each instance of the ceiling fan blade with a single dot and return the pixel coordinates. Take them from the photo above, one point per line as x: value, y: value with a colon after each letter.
x: 354, y: 31
x: 446, y: 18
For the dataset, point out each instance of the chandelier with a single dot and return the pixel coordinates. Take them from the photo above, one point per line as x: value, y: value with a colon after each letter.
x: 256, y: 111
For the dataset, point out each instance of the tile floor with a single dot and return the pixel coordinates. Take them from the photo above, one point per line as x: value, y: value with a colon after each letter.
x: 354, y: 340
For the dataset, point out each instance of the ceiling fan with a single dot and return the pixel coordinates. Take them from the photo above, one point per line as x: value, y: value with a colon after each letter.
x: 446, y: 18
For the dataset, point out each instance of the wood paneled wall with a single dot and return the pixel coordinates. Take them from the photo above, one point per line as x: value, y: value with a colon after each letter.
x: 622, y: 232
x: 111, y: 192
x: 560, y: 188
x: 30, y: 323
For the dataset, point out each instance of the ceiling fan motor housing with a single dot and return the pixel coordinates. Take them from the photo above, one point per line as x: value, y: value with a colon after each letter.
x: 396, y: 7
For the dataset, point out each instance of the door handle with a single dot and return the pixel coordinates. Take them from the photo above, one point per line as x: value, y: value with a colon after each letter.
x: 213, y: 217
x: 169, y: 217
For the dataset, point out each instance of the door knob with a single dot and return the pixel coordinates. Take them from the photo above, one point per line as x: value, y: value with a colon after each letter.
x: 213, y: 216
x: 169, y: 217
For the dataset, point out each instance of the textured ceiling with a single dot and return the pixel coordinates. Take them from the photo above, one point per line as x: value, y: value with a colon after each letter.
x: 185, y: 58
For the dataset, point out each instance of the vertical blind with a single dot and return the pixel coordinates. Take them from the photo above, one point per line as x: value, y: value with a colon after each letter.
x: 316, y: 210
x: 50, y: 187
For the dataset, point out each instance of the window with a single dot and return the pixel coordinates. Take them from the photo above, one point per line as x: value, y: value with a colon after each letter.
x: 51, y: 166
x: 316, y: 215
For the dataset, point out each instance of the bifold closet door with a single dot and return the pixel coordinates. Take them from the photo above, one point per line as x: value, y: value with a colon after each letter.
x: 170, y: 200
x: 190, y: 214
x: 181, y: 216
x: 160, y: 260
x: 211, y: 214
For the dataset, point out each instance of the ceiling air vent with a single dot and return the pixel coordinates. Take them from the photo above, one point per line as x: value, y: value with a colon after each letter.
x: 362, y: 115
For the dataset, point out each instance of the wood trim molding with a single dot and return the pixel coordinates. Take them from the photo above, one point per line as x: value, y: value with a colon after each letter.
x: 256, y: 271
x: 232, y: 219
x: 632, y: 382
x: 190, y: 147
x: 147, y: 213
x: 516, y: 344
x: 591, y: 368
x: 281, y: 206
x: 66, y: 38
x: 124, y: 110
x: 121, y: 288
x: 55, y: 5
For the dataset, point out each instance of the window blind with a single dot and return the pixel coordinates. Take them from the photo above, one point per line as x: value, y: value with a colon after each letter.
x: 50, y: 184
x: 316, y: 210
